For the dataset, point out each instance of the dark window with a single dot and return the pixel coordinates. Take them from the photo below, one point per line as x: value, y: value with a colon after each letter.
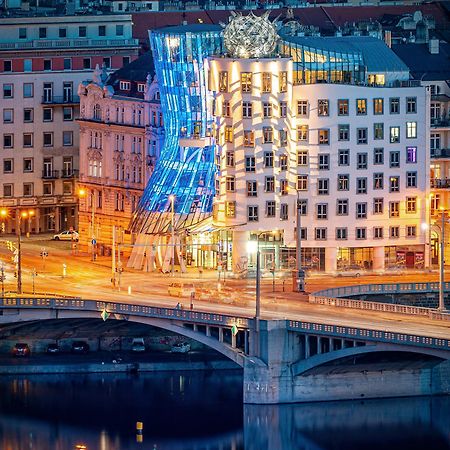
x: 102, y: 30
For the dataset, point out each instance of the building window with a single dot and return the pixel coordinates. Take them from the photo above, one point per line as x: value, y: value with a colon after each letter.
x: 302, y: 182
x: 102, y: 30
x: 323, y: 108
x: 42, y: 33
x: 8, y: 190
x: 283, y: 109
x: 247, y: 110
x: 378, y: 205
x: 249, y: 138
x: 267, y: 135
x: 341, y: 233
x: 411, y: 179
x: 378, y: 232
x: 27, y: 65
x: 269, y: 184
x: 302, y: 108
x: 394, y: 232
x: 378, y: 181
x: 411, y: 231
x: 230, y: 209
x: 28, y: 89
x: 252, y: 213
x: 342, y: 207
x: 230, y: 184
x: 47, y: 65
x: 361, y: 233
x: 268, y: 159
x: 8, y: 141
x: 284, y: 187
x: 394, y: 159
x: 252, y: 190
x: 246, y: 81
x: 8, y: 166
x: 67, y: 63
x: 394, y: 209
x: 28, y: 115
x: 86, y: 63
x: 228, y: 134
x: 361, y: 106
x: 324, y: 161
x: 302, y: 133
x: 8, y: 90
x: 124, y: 85
x: 28, y: 139
x: 411, y: 204
x: 47, y: 114
x: 270, y: 208
x: 119, y: 30
x: 344, y: 157
x: 226, y: 110
x: 323, y: 186
x: 394, y: 106
x: 8, y: 115
x: 302, y: 205
x: 361, y: 135
x: 378, y: 156
x: 48, y: 139
x: 411, y: 105
x: 324, y: 136
x: 411, y: 130
x: 321, y: 211
x: 361, y: 185
x: 361, y: 210
x: 230, y: 159
x: 283, y: 81
x: 378, y: 106
x: 283, y: 162
x: 342, y: 107
x: 266, y: 82
x: 361, y: 161
x: 67, y: 113
x: 250, y: 164
x: 320, y: 234
x: 284, y: 211
x: 267, y: 110
x: 82, y: 31
x: 28, y: 165
x: 344, y: 132
x: 411, y: 154
x: 22, y: 33
x: 343, y: 182
x: 302, y: 157
x: 67, y: 138
x: 223, y: 81
x: 27, y: 189
x: 435, y: 142
x: 378, y: 131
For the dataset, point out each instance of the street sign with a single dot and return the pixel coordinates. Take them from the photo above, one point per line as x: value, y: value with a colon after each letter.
x: 234, y: 330
x: 94, y: 241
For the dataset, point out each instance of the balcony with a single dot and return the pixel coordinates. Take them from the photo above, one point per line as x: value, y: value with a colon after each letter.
x: 69, y: 43
x: 440, y: 184
x: 440, y: 152
x: 50, y: 174
x: 72, y: 173
x: 440, y: 123
x: 60, y: 100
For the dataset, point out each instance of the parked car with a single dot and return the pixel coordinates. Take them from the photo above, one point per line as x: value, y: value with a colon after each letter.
x: 352, y: 270
x: 181, y: 289
x: 138, y: 345
x: 180, y: 347
x: 80, y: 347
x: 66, y: 236
x: 21, y: 349
x: 53, y: 348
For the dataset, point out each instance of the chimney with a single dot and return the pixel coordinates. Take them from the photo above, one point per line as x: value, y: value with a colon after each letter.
x: 388, y: 38
x: 433, y: 46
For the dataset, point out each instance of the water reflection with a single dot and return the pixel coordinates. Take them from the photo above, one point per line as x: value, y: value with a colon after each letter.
x: 194, y: 411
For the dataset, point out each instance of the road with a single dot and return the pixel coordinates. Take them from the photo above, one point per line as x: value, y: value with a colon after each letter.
x: 92, y: 280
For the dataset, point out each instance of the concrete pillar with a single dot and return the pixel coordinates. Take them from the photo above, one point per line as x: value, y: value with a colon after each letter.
x: 330, y: 259
x: 37, y: 220
x: 239, y: 250
x: 220, y: 334
x: 319, y: 345
x: 307, y: 347
x: 208, y: 330
x: 57, y: 219
x: 330, y: 344
x: 233, y: 340
x: 246, y: 342
x: 378, y: 258
x: 195, y: 327
x: 342, y: 343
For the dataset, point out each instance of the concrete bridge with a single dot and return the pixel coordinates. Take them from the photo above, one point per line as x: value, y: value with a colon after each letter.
x: 285, y: 360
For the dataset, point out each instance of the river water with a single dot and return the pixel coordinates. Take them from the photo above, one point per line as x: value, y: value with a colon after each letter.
x: 187, y: 411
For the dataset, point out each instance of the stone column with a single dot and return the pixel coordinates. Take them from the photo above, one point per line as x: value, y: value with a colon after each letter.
x: 239, y: 251
x: 378, y: 258
x: 57, y: 219
x: 330, y: 259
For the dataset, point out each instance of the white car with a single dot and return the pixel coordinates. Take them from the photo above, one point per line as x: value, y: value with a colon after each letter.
x: 66, y: 236
x: 181, y: 347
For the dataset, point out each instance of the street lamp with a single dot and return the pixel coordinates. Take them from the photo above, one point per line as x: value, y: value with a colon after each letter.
x: 172, y: 225
x: 3, y: 215
x: 23, y: 215
x: 299, y: 285
x: 83, y: 193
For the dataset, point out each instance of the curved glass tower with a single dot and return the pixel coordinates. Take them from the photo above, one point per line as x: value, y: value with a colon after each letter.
x: 185, y: 171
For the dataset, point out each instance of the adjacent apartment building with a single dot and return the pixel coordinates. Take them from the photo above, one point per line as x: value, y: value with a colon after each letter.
x: 42, y: 61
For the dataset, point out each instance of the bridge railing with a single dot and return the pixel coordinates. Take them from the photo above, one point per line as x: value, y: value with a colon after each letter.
x: 364, y: 334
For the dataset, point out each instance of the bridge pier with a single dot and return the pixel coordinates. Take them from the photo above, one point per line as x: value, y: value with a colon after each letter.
x: 284, y: 371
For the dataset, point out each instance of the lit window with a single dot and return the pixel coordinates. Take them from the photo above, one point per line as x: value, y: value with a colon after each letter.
x: 302, y: 133
x: 283, y: 81
x: 223, y: 81
x: 411, y: 130
x: 324, y: 136
x: 361, y: 106
x: 378, y: 106
x: 411, y: 154
x: 266, y: 82
x: 302, y: 108
x: 394, y: 135
x: 411, y: 204
x: 323, y: 108
x: 249, y: 138
x: 246, y: 81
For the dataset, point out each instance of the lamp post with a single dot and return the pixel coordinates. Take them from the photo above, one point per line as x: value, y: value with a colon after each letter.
x: 83, y: 193
x: 23, y: 215
x: 3, y: 215
x: 441, y: 306
x: 172, y: 225
x: 299, y: 285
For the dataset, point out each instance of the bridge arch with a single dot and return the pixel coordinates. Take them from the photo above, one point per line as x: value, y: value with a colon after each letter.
x: 302, y: 366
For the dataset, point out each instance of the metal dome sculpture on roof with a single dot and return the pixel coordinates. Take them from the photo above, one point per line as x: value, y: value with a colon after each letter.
x: 250, y: 36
